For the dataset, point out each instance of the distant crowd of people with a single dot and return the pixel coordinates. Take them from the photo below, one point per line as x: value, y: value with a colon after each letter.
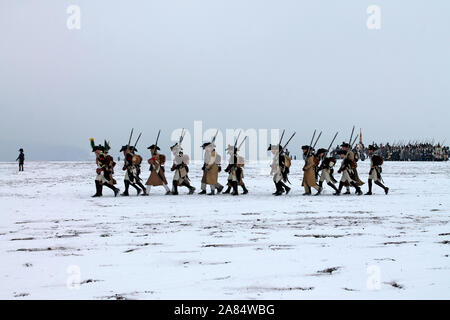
x: 403, y: 152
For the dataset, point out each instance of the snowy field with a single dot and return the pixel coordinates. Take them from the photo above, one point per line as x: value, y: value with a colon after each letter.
x: 56, y: 242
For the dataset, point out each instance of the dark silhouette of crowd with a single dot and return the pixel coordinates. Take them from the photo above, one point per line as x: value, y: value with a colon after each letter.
x: 403, y: 152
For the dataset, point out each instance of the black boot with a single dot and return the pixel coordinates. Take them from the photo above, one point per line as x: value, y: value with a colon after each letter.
x: 369, y: 182
x: 386, y: 189
x: 202, y: 192
x: 228, y: 188
x: 138, y: 190
x: 219, y: 188
x: 116, y: 190
x: 144, y: 190
x: 127, y: 186
x: 98, y: 189
x: 175, y: 188
x: 187, y: 185
x: 358, y: 189
x: 244, y: 188
x: 333, y: 187
x: 286, y: 188
x: 279, y: 189
x: 320, y: 189
x: 235, y: 188
x: 339, y: 190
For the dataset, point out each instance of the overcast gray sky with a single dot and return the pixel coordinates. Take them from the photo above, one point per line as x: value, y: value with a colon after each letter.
x: 153, y: 64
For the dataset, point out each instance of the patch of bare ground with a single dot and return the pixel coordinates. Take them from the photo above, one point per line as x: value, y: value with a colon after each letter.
x: 89, y: 281
x: 279, y: 288
x: 22, y: 239
x: 328, y: 271
x: 395, y: 284
x: 319, y: 235
x: 43, y: 249
x: 19, y: 295
x: 399, y: 242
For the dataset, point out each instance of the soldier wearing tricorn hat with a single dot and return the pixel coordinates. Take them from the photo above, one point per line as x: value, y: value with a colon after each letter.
x: 180, y: 166
x: 105, y: 169
x: 211, y: 168
x: 376, y: 162
x: 132, y: 168
x: 157, y: 176
x: 235, y: 170
x: 309, y: 171
x: 326, y: 169
x: 348, y: 169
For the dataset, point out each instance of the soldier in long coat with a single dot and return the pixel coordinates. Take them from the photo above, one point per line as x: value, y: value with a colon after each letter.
x: 348, y: 170
x: 211, y: 168
x: 279, y: 169
x: 105, y: 170
x: 309, y: 171
x: 132, y: 168
x: 326, y: 169
x: 180, y: 166
x: 235, y: 170
x: 375, y: 170
x: 157, y: 176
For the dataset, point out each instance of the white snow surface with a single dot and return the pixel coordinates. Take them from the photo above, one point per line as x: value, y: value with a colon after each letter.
x: 254, y: 246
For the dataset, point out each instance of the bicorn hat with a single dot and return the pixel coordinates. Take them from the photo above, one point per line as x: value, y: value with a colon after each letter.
x: 21, y: 150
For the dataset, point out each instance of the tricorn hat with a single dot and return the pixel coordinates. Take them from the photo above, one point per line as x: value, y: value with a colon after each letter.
x: 98, y: 148
x: 153, y: 146
x: 305, y: 147
x: 322, y: 150
x: 342, y: 152
x: 174, y: 146
x: 128, y: 148
x: 345, y: 145
x: 204, y: 145
x: 372, y: 148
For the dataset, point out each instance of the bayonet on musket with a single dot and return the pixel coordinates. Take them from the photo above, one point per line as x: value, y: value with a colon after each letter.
x: 332, y: 141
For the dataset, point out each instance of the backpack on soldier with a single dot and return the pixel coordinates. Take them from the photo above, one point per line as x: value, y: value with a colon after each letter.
x: 136, y: 159
x: 377, y: 160
x: 287, y: 161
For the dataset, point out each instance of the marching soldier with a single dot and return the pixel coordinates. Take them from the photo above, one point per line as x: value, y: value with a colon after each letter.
x: 309, y: 171
x: 180, y: 166
x: 279, y: 169
x: 348, y: 170
x: 235, y: 171
x: 211, y: 168
x: 132, y: 168
x: 157, y: 176
x: 326, y: 166
x: 21, y: 159
x: 105, y: 169
x: 376, y: 162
